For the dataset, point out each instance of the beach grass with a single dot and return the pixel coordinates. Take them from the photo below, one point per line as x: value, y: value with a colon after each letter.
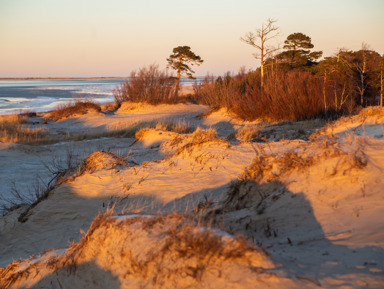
x: 14, y: 130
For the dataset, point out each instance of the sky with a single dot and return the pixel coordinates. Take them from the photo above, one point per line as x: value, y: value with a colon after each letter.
x: 80, y: 38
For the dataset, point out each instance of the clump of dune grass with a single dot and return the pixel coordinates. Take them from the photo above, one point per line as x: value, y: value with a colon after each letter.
x: 248, y: 133
x: 142, y: 247
x: 200, y: 134
x: 197, y: 138
x: 79, y: 106
x: 178, y: 127
x: 13, y: 129
x: 258, y: 168
x: 101, y: 160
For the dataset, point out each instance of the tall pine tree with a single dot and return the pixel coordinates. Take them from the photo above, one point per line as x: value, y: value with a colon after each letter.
x: 179, y: 60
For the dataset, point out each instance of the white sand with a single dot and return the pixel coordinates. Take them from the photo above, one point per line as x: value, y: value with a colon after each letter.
x: 320, y: 224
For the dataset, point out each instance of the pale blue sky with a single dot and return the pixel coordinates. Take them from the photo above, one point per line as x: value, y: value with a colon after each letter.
x: 113, y: 37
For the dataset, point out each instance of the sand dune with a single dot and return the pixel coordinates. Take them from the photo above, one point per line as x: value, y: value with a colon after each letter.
x: 305, y: 197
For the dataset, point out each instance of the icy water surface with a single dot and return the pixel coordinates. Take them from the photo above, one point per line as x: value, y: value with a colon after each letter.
x: 43, y: 95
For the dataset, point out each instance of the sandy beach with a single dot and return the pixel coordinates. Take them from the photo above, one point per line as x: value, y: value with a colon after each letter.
x: 177, y: 196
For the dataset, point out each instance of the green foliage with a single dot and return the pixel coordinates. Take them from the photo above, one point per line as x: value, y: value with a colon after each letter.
x: 298, y: 40
x: 181, y: 57
x: 353, y: 73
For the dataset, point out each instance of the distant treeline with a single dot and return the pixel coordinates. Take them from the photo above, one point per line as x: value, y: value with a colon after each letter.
x: 62, y: 78
x: 294, y: 86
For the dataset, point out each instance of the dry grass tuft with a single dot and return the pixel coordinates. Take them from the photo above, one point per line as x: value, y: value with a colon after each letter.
x: 203, y: 134
x: 139, y: 135
x: 349, y: 161
x: 248, y: 133
x: 180, y: 127
x: 293, y: 160
x: 248, y: 193
x: 258, y: 169
x: 13, y: 130
x: 270, y: 167
x: 78, y: 107
x: 196, y: 139
x: 101, y: 160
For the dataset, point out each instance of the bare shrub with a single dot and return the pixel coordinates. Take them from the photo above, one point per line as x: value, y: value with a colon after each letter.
x: 79, y: 106
x: 148, y: 85
x: 349, y: 161
x: 292, y: 95
x: 58, y: 169
x: 217, y: 93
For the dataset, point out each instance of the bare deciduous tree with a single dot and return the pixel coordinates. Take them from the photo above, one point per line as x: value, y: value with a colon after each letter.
x: 358, y: 62
x: 267, y: 32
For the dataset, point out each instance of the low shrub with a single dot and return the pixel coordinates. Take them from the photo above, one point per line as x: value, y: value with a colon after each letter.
x: 149, y: 85
x: 292, y: 95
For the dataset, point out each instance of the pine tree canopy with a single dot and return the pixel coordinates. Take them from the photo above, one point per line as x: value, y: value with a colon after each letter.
x: 181, y: 57
x: 298, y: 40
x: 298, y: 51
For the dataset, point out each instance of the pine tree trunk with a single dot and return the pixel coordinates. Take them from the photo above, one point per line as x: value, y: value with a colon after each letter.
x: 381, y: 87
x: 177, y: 83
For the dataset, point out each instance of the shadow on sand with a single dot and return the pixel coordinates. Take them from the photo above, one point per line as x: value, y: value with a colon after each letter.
x: 284, y: 224
x: 268, y: 214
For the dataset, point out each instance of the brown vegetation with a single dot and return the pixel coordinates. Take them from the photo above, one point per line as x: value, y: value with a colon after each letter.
x: 155, y: 252
x: 79, y: 106
x: 148, y: 85
x: 14, y: 130
x: 101, y: 160
x: 293, y: 95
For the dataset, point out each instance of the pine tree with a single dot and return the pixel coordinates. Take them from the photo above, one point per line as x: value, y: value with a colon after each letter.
x: 298, y: 46
x: 179, y: 60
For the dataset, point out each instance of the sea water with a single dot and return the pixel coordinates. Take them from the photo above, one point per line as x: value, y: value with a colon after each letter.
x: 42, y: 95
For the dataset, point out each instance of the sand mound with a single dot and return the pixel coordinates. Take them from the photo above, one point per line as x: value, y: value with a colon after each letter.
x: 101, y: 160
x: 149, y: 252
